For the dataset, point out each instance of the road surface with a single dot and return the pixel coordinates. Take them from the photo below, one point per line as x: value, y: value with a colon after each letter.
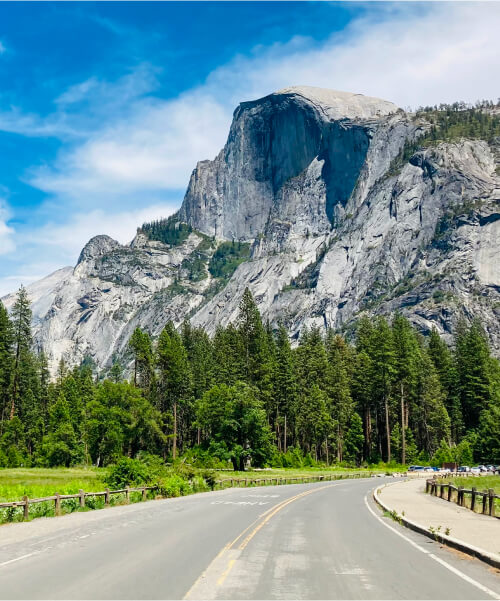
x: 312, y: 541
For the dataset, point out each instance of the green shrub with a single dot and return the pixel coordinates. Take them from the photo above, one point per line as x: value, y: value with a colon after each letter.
x: 174, y: 486
x: 128, y: 472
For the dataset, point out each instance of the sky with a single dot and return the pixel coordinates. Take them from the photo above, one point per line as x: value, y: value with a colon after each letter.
x: 106, y: 107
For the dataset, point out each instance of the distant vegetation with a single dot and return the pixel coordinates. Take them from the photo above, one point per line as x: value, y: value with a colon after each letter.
x: 227, y: 257
x: 169, y: 231
x: 449, y: 123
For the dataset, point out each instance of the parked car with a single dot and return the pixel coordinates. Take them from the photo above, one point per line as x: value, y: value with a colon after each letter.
x: 464, y: 468
x: 415, y: 468
x: 428, y: 469
x: 475, y: 470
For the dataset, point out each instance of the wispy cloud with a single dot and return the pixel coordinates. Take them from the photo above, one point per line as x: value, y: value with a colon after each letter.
x: 7, y: 244
x: 2, y: 47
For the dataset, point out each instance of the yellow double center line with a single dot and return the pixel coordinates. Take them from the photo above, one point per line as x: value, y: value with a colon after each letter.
x: 242, y: 540
x: 267, y: 515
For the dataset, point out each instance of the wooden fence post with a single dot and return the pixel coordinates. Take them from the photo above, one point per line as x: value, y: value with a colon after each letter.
x: 450, y: 491
x: 427, y: 486
x: 106, y: 496
x: 460, y: 496
x: 473, y: 499
x: 491, y: 500
x: 441, y: 492
x: 127, y: 494
x: 57, y: 504
x: 144, y: 493
x: 485, y: 501
x: 26, y: 508
x: 82, y: 498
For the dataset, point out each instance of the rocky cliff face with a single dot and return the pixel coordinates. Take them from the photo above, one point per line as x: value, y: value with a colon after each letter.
x: 338, y: 225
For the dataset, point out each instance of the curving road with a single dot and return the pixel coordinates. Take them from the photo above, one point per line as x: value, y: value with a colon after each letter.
x: 313, y: 541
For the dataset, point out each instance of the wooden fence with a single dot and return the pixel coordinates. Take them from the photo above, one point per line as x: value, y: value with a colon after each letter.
x: 243, y: 482
x: 221, y: 484
x: 81, y: 495
x: 484, y: 497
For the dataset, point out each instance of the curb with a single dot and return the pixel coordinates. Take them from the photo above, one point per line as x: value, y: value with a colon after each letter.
x: 491, y: 558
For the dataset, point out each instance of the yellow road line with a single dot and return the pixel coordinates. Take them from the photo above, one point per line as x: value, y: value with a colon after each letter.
x: 230, y: 564
x: 257, y: 525
x: 278, y: 508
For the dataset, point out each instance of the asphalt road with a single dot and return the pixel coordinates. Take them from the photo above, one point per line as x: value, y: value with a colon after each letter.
x: 313, y: 541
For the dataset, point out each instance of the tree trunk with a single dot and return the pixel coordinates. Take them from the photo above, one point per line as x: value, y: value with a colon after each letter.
x: 284, y: 437
x: 387, y: 429
x: 174, y: 447
x: 326, y: 445
x: 368, y: 432
x: 403, y: 426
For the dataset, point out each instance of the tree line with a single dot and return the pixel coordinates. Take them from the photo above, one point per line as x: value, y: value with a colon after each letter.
x: 247, y: 396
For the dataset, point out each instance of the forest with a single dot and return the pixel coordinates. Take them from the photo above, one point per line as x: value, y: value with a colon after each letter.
x: 248, y: 397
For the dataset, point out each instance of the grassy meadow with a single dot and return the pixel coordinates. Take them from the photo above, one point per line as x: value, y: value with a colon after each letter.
x: 41, y: 482
x: 481, y: 483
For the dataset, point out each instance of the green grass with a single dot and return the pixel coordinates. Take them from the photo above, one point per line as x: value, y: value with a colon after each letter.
x: 295, y: 472
x: 480, y: 482
x: 41, y: 482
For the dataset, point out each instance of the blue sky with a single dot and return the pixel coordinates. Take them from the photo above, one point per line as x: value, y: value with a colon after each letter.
x: 106, y: 107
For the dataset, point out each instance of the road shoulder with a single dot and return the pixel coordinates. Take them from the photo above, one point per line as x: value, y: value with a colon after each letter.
x: 457, y: 527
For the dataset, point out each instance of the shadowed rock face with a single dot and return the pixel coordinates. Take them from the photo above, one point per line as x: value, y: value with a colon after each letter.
x: 272, y: 141
x: 306, y: 177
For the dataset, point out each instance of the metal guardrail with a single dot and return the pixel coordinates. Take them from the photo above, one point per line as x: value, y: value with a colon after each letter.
x: 488, y: 497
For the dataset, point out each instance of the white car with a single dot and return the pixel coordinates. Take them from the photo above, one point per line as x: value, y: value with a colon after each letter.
x: 475, y: 470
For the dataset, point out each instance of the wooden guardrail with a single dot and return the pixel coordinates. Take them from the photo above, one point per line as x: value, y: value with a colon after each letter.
x: 244, y: 482
x: 81, y: 495
x: 487, y: 497
x: 232, y: 482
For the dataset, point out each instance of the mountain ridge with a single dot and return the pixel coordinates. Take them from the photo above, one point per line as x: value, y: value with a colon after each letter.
x: 339, y: 221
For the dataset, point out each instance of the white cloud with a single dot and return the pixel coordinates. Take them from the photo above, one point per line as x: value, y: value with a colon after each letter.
x: 6, y: 233
x: 75, y: 233
x: 446, y: 53
x: 2, y: 47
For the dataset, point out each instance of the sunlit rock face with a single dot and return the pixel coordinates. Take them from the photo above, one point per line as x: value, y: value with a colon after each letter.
x: 307, y: 178
x: 272, y: 142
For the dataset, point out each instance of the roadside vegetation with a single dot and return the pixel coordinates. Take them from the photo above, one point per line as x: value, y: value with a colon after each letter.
x: 148, y: 470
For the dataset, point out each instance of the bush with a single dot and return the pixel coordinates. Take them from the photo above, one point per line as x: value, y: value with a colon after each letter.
x: 128, y: 472
x: 174, y: 486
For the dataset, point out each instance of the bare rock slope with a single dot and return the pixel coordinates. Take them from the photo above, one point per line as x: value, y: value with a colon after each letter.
x: 337, y: 224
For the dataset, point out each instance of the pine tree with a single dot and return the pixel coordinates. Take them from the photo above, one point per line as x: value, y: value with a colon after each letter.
x: 22, y: 370
x: 442, y: 359
x: 6, y: 363
x: 406, y: 355
x: 354, y: 439
x: 472, y: 357
x: 383, y: 357
x: 284, y: 389
x: 175, y: 381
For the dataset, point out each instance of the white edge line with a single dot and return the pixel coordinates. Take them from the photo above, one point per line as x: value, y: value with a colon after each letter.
x: 445, y: 564
x: 18, y: 558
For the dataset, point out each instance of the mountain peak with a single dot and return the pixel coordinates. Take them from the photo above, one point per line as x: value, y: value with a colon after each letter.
x: 338, y: 104
x: 97, y: 247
